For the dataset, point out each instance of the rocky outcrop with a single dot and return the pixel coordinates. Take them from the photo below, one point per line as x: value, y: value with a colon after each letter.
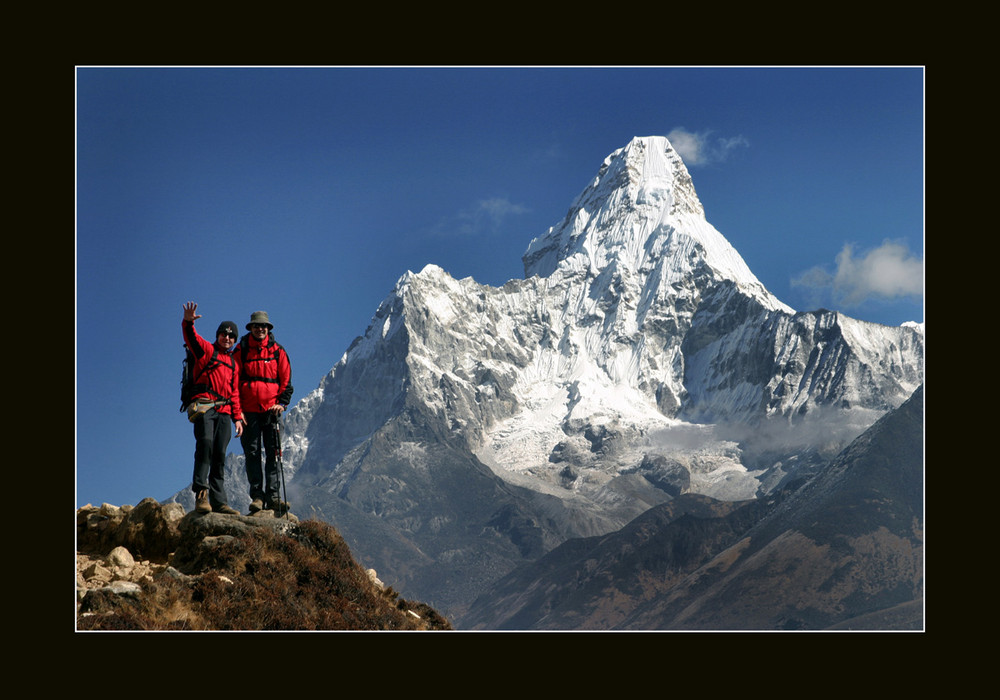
x: 127, y: 556
x: 148, y: 530
x: 120, y: 547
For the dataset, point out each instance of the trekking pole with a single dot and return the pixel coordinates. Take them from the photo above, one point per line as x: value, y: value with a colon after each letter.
x: 281, y: 467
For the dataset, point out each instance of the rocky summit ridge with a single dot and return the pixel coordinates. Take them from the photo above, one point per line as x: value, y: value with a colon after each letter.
x: 155, y: 567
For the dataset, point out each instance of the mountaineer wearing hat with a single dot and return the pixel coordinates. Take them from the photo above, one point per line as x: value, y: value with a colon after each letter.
x: 213, y: 400
x: 265, y: 390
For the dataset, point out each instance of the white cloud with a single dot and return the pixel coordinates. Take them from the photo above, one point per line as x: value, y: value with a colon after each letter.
x: 887, y: 272
x: 484, y: 217
x: 699, y: 149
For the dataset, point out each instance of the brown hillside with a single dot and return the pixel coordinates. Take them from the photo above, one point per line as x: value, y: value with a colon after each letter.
x: 152, y: 567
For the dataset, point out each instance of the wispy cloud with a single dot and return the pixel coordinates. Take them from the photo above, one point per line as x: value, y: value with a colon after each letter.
x: 484, y: 217
x: 821, y: 427
x: 890, y: 271
x: 701, y: 148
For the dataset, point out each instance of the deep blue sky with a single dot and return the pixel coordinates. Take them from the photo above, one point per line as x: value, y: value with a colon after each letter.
x: 307, y: 192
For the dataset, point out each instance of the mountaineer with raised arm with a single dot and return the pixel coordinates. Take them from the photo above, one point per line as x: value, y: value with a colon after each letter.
x: 212, y: 399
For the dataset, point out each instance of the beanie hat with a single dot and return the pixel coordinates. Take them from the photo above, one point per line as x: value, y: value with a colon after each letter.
x: 229, y: 328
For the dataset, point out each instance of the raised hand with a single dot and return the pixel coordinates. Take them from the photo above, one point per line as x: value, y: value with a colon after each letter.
x: 189, y: 312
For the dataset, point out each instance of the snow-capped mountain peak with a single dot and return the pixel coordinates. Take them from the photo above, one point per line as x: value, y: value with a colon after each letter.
x: 639, y: 359
x: 641, y: 216
x: 635, y: 316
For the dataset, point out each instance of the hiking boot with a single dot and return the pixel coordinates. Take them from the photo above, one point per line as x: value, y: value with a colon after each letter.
x: 201, y: 503
x: 256, y: 504
x: 278, y: 506
x: 226, y: 510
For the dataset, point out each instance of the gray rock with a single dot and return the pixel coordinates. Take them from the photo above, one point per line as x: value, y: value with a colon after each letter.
x: 120, y: 556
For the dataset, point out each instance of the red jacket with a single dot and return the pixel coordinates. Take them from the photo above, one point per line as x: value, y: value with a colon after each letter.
x: 265, y: 374
x: 222, y: 376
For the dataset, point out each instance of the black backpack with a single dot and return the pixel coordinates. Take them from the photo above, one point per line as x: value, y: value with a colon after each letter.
x: 190, y: 387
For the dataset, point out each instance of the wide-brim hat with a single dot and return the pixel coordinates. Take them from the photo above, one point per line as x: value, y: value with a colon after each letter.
x: 259, y: 317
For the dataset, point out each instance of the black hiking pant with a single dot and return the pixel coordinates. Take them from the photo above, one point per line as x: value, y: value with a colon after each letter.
x: 212, y: 432
x: 265, y: 483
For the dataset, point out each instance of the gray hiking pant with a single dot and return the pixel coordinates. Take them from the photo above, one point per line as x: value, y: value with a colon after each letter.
x: 212, y: 432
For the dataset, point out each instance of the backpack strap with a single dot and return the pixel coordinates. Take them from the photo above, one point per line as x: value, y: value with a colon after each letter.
x: 245, y: 377
x: 199, y: 387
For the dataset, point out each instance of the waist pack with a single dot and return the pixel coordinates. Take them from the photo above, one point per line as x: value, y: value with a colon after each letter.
x: 198, y: 408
